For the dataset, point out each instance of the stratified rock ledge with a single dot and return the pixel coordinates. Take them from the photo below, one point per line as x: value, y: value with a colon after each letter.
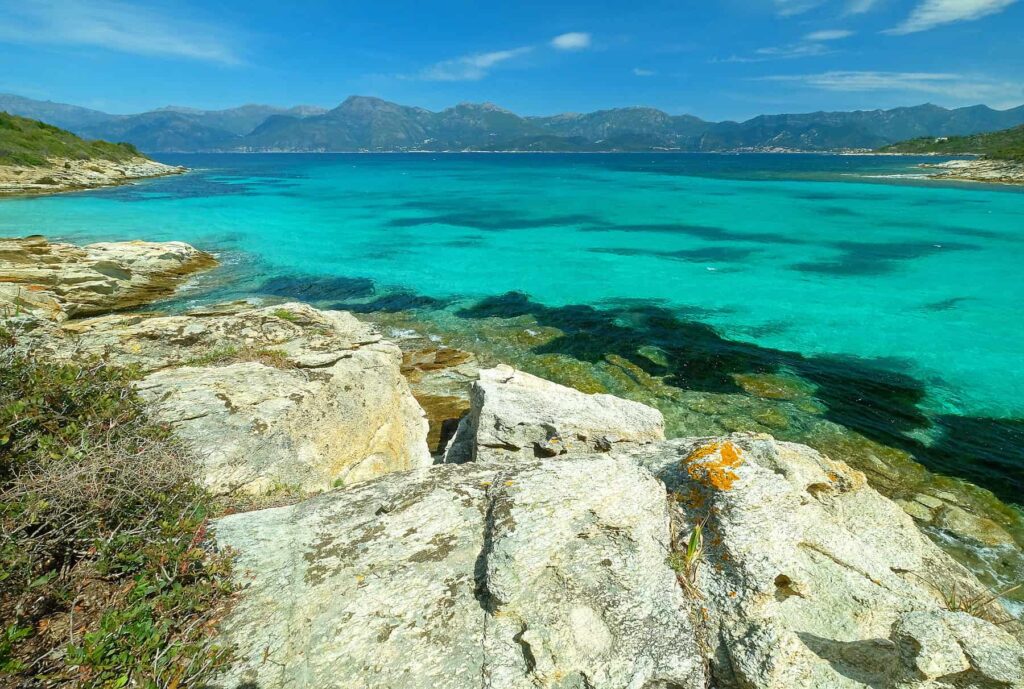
x: 56, y: 281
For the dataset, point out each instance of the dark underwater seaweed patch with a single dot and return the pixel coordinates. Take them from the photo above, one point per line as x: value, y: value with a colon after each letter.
x: 494, y: 220
x: 392, y: 303
x: 835, y: 211
x: 317, y: 288
x: 944, y: 304
x: 711, y: 254
x: 870, y: 258
x: 870, y: 397
x: 706, y: 232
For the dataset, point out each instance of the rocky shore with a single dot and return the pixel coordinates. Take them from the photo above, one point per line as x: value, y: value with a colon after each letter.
x: 552, y: 539
x: 74, y: 175
x: 979, y: 170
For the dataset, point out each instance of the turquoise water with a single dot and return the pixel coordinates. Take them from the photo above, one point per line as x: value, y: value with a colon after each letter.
x: 900, y: 298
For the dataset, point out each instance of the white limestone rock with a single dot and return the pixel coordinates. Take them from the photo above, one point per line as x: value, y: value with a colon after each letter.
x: 514, y: 415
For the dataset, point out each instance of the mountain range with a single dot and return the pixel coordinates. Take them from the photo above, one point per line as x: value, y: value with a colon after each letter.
x: 363, y: 123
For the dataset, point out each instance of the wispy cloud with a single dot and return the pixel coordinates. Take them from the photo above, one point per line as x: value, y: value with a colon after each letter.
x: 640, y: 72
x: 828, y: 35
x: 861, y: 6
x: 781, y: 52
x: 959, y: 88
x: 932, y: 13
x: 470, y: 67
x: 111, y: 25
x: 574, y: 40
x: 788, y: 8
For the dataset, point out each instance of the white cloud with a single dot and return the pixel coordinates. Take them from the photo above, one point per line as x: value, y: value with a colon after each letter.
x: 782, y: 52
x: 575, y: 40
x: 932, y: 13
x: 640, y: 72
x: 788, y: 8
x: 470, y: 67
x: 113, y: 25
x: 861, y: 6
x: 828, y: 35
x: 793, y: 50
x: 958, y: 88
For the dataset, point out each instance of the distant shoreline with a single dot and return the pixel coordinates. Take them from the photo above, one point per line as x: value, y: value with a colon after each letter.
x: 63, y: 176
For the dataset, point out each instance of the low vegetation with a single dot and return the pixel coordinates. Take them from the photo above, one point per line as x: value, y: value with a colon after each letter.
x: 108, y: 575
x: 232, y: 355
x: 32, y: 143
x: 1007, y: 144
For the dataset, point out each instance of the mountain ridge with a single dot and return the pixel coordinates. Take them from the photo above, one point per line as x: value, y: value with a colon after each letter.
x: 367, y: 123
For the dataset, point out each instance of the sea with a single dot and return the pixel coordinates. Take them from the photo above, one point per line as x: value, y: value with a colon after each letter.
x: 840, y: 300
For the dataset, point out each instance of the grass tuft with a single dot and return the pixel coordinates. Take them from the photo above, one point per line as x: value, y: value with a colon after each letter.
x: 109, y: 576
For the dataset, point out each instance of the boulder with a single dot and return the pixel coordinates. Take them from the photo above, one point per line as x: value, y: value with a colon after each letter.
x: 511, y: 575
x: 810, y: 578
x: 56, y: 281
x: 514, y: 415
x: 283, y: 397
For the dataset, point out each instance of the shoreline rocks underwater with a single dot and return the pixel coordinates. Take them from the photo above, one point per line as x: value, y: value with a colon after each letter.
x: 517, y: 533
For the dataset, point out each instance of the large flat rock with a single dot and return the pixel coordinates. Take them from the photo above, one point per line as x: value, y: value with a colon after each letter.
x: 515, y: 415
x: 522, y: 575
x: 56, y: 281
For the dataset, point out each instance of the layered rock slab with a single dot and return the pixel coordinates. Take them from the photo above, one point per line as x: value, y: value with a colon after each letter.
x: 279, y: 398
x: 810, y: 578
x: 514, y: 415
x: 56, y: 281
x: 531, y: 574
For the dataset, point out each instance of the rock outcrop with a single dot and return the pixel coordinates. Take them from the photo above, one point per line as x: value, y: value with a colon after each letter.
x: 69, y: 174
x: 980, y: 170
x: 810, y: 578
x: 56, y: 281
x: 558, y: 572
x: 280, y: 398
x: 525, y: 574
x: 514, y: 415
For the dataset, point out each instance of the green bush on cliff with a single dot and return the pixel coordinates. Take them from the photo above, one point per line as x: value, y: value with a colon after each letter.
x: 32, y: 143
x: 1007, y: 144
x: 108, y: 575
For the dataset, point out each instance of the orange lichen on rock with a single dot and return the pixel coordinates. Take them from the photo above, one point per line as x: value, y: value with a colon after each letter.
x: 712, y: 465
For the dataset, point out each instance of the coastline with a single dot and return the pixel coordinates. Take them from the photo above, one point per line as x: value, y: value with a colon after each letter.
x: 979, y: 170
x: 561, y: 509
x: 66, y: 175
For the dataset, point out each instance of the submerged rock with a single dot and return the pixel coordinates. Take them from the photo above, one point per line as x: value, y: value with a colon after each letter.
x: 526, y: 574
x: 514, y: 415
x: 56, y: 281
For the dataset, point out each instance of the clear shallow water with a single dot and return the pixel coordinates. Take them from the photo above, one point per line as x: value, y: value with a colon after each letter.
x: 900, y: 300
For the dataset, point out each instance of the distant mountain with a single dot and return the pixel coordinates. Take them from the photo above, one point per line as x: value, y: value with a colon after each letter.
x: 243, y: 119
x: 162, y: 130
x: 1007, y: 144
x: 370, y: 124
x: 58, y: 114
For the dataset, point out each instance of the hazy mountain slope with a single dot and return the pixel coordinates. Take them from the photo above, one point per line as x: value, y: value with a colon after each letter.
x: 162, y: 131
x: 243, y: 119
x: 370, y: 124
x: 62, y: 115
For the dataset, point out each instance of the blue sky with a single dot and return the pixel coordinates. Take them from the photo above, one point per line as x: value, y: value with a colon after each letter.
x: 729, y: 59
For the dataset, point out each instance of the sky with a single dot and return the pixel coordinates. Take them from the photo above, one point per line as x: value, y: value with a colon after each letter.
x: 724, y: 59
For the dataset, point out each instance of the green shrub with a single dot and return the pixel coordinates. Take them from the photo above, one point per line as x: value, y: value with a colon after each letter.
x: 108, y: 574
x: 31, y: 143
